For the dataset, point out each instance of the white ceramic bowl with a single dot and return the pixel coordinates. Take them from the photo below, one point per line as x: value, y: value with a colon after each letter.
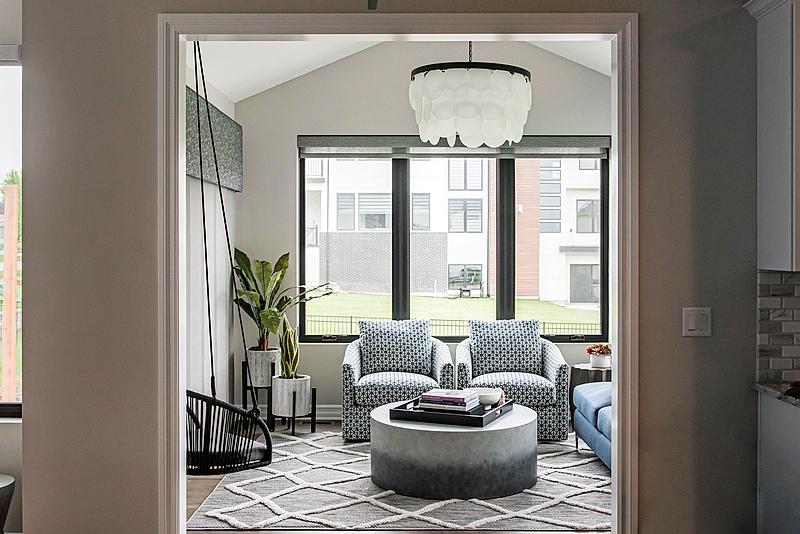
x: 487, y: 396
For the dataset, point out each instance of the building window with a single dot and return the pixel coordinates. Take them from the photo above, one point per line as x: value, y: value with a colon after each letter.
x: 465, y: 174
x: 466, y: 215
x: 345, y: 211
x: 588, y: 217
x: 374, y: 211
x: 549, y: 163
x: 550, y: 189
x: 547, y: 175
x: 588, y: 164
x: 464, y: 277
x: 314, y: 170
x: 584, y: 283
x: 550, y: 202
x: 550, y: 215
x: 421, y: 211
x: 546, y: 227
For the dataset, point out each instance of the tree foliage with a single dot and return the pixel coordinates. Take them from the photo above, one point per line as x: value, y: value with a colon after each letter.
x: 14, y: 177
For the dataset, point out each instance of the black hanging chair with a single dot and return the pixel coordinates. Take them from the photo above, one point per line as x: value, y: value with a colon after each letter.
x: 220, y: 437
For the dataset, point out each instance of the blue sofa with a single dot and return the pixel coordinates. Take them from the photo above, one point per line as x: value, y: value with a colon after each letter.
x: 592, y: 419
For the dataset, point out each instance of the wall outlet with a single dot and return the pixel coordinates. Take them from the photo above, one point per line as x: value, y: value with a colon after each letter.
x: 696, y: 322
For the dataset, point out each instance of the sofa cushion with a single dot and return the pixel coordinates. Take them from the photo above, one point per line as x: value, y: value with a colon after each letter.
x: 380, y: 388
x: 590, y: 398
x: 403, y: 346
x: 604, y: 421
x: 526, y: 389
x: 509, y: 345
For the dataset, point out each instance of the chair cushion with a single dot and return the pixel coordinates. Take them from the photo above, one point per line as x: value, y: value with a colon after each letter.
x: 590, y: 398
x: 604, y: 421
x: 527, y: 389
x: 379, y: 388
x: 403, y: 346
x: 509, y: 345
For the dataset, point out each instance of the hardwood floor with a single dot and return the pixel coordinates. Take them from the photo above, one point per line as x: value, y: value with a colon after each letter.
x: 198, y: 488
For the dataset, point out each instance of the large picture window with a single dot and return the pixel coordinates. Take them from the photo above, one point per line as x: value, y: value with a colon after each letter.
x: 11, y: 240
x: 452, y: 238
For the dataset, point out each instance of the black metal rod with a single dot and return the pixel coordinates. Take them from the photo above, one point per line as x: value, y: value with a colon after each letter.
x: 313, y: 410
x: 401, y: 240
x: 471, y: 65
x: 506, y: 239
x: 301, y: 208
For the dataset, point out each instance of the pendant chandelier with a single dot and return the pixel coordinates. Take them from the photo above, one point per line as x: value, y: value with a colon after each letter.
x: 482, y: 103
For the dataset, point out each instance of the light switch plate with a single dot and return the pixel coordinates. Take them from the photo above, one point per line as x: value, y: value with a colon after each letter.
x: 696, y: 322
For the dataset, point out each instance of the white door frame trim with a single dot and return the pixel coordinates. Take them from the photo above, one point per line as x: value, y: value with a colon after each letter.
x: 624, y: 291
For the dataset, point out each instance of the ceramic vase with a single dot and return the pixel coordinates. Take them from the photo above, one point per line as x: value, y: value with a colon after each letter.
x: 282, y: 389
x: 261, y: 366
x: 600, y: 360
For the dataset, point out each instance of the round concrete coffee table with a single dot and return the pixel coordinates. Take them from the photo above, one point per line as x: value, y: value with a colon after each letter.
x: 435, y: 461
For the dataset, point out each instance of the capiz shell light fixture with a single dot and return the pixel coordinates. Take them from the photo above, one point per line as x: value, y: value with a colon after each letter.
x: 482, y: 103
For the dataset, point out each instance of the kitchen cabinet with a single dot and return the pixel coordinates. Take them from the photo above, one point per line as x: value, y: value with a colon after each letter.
x: 778, y: 463
x: 778, y: 134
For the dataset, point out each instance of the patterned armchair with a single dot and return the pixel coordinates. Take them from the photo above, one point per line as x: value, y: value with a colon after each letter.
x: 391, y: 362
x: 531, y: 370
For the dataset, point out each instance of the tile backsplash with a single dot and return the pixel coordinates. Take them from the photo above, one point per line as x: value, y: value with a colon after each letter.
x: 778, y: 326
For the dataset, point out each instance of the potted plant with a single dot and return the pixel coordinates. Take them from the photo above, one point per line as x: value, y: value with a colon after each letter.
x: 599, y: 355
x: 262, y: 299
x: 289, y: 381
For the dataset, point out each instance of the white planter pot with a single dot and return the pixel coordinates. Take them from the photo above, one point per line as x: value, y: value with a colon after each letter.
x: 598, y: 360
x: 260, y: 366
x: 282, y: 389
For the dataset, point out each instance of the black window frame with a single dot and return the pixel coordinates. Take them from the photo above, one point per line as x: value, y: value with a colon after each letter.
x: 505, y: 273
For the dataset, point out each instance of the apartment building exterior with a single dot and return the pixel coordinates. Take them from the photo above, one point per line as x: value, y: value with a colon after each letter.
x: 349, y: 219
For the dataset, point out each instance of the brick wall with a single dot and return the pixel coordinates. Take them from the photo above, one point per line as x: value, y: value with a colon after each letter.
x: 778, y: 326
x: 361, y: 262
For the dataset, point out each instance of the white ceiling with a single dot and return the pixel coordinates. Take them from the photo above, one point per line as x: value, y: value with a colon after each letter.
x: 593, y: 54
x: 240, y: 69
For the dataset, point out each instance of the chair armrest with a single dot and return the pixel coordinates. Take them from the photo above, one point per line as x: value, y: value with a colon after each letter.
x: 555, y: 368
x: 464, y: 362
x: 442, y: 365
x: 351, y: 372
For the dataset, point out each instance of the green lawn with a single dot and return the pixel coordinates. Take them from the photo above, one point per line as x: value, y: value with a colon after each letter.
x: 460, y: 309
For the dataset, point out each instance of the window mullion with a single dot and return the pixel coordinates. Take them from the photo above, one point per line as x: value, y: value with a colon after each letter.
x: 401, y: 240
x: 604, y: 247
x: 506, y: 235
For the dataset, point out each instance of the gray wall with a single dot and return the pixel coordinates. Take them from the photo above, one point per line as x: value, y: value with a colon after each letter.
x: 91, y: 440
x: 363, y: 274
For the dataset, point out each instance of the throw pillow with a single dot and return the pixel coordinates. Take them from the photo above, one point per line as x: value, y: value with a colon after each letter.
x: 403, y: 346
x: 505, y: 346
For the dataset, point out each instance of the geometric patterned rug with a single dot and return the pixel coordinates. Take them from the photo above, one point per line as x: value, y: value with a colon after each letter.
x: 318, y: 481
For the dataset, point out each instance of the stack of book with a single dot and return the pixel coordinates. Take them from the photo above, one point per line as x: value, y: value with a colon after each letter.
x: 449, y: 400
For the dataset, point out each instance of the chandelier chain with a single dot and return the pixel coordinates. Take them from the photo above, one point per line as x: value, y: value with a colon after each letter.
x: 470, y: 51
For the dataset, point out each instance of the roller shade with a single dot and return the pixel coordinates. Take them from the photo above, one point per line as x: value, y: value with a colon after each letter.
x: 411, y: 146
